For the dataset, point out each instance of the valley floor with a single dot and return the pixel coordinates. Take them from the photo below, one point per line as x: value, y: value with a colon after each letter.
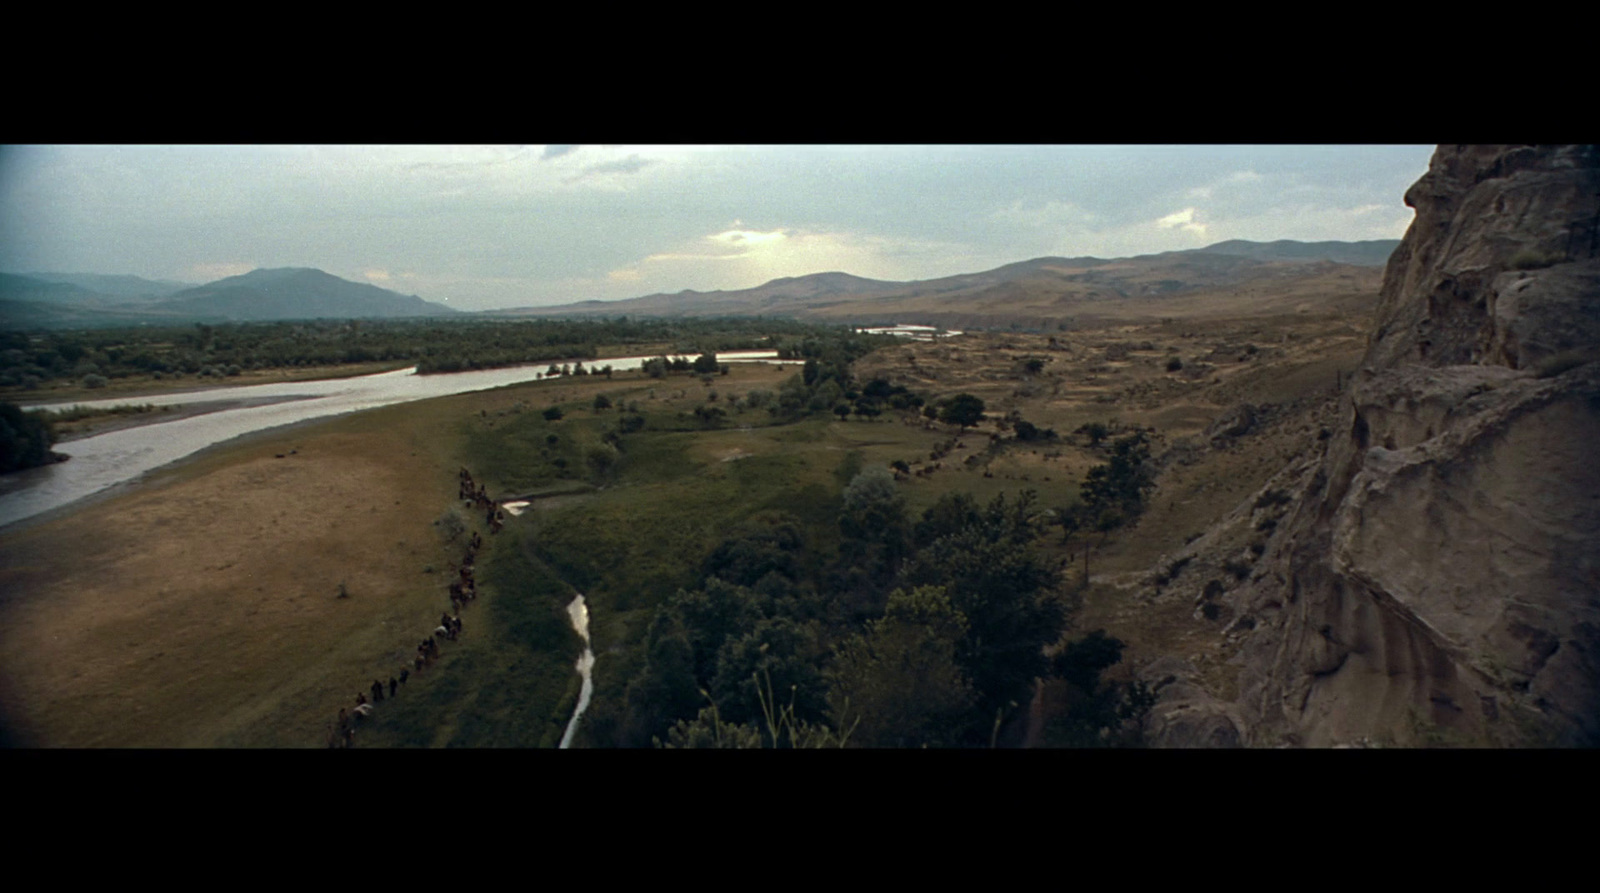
x: 204, y: 609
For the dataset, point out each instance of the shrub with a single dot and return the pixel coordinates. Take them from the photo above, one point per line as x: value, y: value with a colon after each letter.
x: 964, y: 410
x: 1531, y: 258
x: 25, y: 439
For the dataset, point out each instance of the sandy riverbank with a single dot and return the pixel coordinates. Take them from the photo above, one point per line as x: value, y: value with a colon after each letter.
x: 200, y: 607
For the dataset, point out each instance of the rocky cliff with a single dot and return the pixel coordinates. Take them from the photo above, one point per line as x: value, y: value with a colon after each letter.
x: 1435, y: 575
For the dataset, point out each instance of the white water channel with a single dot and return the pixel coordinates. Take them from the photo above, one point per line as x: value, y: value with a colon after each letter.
x: 118, y: 457
x: 578, y: 611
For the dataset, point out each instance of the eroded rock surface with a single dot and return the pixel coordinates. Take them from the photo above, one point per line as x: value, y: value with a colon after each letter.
x: 1436, y: 579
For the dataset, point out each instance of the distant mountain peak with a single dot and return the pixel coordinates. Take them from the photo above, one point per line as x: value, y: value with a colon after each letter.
x: 297, y: 293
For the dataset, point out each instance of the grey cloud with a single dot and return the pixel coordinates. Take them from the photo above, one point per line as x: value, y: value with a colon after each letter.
x: 556, y: 152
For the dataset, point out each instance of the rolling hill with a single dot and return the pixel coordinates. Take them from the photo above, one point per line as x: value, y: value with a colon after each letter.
x: 86, y: 300
x: 294, y: 293
x: 1281, y: 276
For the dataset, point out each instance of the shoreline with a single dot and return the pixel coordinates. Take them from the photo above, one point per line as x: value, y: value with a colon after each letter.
x: 169, y: 413
x: 149, y: 388
x: 154, y: 475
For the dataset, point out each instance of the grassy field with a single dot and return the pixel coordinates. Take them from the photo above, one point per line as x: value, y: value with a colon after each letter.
x: 203, y: 608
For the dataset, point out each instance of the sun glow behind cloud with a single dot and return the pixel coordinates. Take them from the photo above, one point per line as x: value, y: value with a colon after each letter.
x: 744, y: 257
x: 1183, y: 220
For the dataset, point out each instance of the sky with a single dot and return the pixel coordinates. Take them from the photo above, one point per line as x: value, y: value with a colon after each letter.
x: 487, y: 227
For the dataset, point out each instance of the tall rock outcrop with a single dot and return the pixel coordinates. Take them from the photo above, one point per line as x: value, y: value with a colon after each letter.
x: 1438, y: 578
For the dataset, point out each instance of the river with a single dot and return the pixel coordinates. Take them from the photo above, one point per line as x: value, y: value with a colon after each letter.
x: 115, y: 458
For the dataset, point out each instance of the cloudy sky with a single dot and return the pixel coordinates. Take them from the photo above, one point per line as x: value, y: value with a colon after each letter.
x: 483, y: 227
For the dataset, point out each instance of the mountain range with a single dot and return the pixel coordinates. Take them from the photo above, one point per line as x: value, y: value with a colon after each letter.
x: 1268, y: 276
x: 82, y: 300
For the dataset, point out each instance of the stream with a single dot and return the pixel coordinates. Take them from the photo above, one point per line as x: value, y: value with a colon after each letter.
x: 579, y: 612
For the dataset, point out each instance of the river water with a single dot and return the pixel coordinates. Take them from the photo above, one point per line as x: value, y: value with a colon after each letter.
x: 118, y: 457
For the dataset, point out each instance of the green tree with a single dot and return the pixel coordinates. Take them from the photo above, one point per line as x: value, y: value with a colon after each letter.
x: 665, y: 690
x: 778, y: 652
x: 1095, y: 431
x: 994, y: 578
x: 898, y: 683
x: 1099, y: 714
x: 709, y: 415
x: 964, y: 410
x: 25, y: 439
x: 1118, y: 488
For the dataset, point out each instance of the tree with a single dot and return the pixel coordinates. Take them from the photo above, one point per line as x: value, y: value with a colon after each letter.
x: 665, y: 690
x: 898, y: 684
x: 1101, y: 715
x: 994, y: 578
x: 25, y: 439
x: 1119, y: 487
x: 779, y: 653
x: 601, y: 401
x: 706, y: 363
x: 964, y: 410
x: 1095, y: 431
x: 709, y: 415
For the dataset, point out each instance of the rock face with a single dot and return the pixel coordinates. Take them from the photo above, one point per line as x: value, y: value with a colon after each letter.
x: 1437, y: 580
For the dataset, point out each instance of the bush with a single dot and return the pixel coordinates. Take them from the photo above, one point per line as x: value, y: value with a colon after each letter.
x: 1174, y: 364
x: 25, y: 439
x: 553, y: 414
x: 964, y: 410
x: 1534, y: 259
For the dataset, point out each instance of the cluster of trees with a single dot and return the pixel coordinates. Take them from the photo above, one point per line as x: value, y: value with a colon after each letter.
x: 435, y: 345
x: 963, y: 410
x: 705, y: 364
x: 25, y: 439
x: 825, y: 383
x: 875, y: 396
x: 907, y: 633
x: 1113, y: 493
